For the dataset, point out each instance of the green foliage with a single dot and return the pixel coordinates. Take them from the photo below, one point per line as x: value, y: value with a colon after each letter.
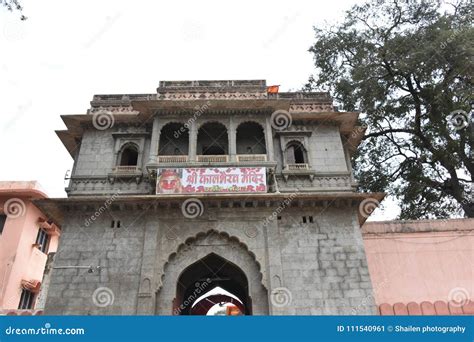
x: 407, y: 66
x: 13, y: 5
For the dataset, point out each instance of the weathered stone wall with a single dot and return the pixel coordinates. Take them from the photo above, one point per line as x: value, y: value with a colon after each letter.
x: 292, y: 267
x: 96, y: 157
x: 314, y: 265
x: 118, y: 251
x: 326, y: 153
x: 100, y: 149
x: 325, y: 150
x: 324, y: 264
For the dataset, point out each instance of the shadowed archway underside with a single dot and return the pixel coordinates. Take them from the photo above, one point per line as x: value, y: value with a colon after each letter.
x: 206, y: 274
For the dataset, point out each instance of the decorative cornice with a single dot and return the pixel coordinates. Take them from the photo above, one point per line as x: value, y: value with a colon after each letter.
x: 311, y: 107
x: 211, y: 95
x: 112, y: 110
x: 56, y: 208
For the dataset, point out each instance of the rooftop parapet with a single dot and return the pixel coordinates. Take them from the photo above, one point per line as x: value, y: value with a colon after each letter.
x: 183, y: 85
x: 22, y: 188
x: 210, y: 89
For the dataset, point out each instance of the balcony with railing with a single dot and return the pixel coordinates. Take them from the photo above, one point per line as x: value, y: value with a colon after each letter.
x: 251, y: 157
x: 240, y: 158
x: 213, y: 158
x: 211, y: 143
x: 297, y: 167
x: 172, y: 159
x: 126, y: 169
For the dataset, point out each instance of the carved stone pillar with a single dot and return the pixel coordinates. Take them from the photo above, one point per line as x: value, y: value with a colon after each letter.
x: 146, y: 294
x: 192, y: 141
x: 232, y: 140
x: 274, y: 270
x: 155, y: 141
x: 269, y: 139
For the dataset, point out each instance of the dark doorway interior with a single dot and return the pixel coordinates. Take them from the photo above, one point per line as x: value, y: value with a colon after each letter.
x: 204, y: 275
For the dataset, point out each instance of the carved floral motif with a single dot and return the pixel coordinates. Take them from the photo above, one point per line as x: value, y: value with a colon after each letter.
x: 113, y: 110
x: 311, y: 107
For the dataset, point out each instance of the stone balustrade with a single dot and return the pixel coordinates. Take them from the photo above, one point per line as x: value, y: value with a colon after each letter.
x: 213, y: 159
x: 291, y: 167
x: 172, y: 159
x: 251, y: 157
x: 125, y: 169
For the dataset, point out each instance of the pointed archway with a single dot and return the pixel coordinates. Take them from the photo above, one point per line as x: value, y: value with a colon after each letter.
x: 205, y: 275
x: 208, y: 260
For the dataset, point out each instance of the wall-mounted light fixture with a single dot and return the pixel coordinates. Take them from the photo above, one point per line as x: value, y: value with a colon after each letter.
x: 90, y: 269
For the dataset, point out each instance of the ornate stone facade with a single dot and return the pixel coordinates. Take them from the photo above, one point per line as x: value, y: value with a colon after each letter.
x: 296, y: 249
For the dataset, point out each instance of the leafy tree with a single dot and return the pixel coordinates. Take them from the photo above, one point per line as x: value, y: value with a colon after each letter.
x: 407, y: 66
x: 13, y: 5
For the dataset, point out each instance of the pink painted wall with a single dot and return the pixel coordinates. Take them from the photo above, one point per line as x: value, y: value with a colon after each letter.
x: 19, y: 260
x: 417, y: 261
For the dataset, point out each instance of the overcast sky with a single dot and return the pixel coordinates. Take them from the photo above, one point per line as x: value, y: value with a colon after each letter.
x: 53, y: 63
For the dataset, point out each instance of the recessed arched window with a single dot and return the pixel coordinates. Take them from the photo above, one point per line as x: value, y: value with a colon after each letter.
x: 296, y: 153
x: 129, y: 155
x: 174, y: 140
x: 212, y: 139
x: 250, y: 139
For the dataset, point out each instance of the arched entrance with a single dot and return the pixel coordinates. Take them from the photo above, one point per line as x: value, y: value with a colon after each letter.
x: 204, y: 276
x: 205, y: 262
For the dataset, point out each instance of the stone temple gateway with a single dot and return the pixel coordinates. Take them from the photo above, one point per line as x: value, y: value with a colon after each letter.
x: 209, y: 185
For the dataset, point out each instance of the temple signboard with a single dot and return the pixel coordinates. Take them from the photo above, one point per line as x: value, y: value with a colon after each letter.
x: 211, y: 180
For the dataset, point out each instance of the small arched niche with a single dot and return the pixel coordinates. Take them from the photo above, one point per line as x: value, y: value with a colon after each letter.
x: 295, y: 153
x: 128, y: 155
